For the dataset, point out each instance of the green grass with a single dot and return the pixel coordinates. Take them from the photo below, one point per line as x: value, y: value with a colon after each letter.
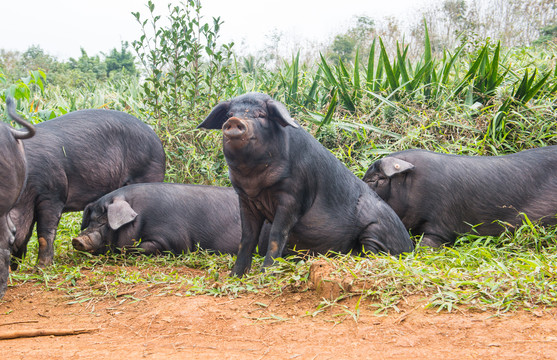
x: 495, y: 274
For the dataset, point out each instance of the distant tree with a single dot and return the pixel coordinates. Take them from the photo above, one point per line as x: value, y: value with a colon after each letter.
x: 250, y: 64
x: 89, y: 65
x: 363, y: 31
x: 343, y: 47
x: 271, y: 53
x: 358, y: 35
x: 548, y: 33
x: 513, y: 22
x: 16, y: 65
x: 9, y: 63
x: 35, y: 58
x: 117, y: 60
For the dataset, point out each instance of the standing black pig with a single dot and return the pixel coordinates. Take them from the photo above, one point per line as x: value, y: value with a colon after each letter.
x: 12, y: 179
x: 75, y: 159
x: 440, y: 195
x: 163, y: 217
x: 282, y: 174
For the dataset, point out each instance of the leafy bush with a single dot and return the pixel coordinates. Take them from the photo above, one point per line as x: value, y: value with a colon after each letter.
x: 187, y: 73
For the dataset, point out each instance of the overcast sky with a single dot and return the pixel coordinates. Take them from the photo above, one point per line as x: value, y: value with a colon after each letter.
x: 62, y: 27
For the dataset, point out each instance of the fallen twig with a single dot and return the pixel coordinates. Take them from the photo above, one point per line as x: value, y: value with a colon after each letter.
x: 20, y: 322
x: 15, y: 334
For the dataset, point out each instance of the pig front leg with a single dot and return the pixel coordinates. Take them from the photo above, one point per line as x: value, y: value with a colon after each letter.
x: 286, y: 216
x: 148, y: 247
x: 433, y: 241
x: 252, y: 222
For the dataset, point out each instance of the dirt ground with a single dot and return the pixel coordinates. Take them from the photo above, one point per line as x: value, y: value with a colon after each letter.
x: 144, y: 323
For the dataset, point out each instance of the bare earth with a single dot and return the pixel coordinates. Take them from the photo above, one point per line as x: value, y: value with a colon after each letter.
x: 145, y: 323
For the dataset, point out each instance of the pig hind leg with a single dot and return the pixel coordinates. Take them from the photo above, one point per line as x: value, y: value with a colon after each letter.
x: 24, y: 230
x: 48, y: 217
x: 154, y: 172
x: 21, y: 251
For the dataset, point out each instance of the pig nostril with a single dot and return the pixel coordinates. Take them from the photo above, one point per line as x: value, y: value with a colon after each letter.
x: 234, y: 128
x: 77, y: 244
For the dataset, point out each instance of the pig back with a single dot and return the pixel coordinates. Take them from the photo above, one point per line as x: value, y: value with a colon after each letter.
x: 88, y: 153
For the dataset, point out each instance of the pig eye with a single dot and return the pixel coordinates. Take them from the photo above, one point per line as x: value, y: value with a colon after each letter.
x: 99, y: 217
x: 375, y: 180
x: 372, y: 180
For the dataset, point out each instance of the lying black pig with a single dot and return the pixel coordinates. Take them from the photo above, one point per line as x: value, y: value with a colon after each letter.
x: 441, y: 195
x: 75, y: 159
x: 283, y: 175
x: 163, y: 217
x: 12, y: 179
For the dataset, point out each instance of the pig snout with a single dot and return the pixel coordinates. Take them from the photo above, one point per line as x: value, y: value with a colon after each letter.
x: 82, y: 243
x: 87, y: 242
x: 234, y: 128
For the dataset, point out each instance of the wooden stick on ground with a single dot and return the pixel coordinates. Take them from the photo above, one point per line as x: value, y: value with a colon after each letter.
x: 15, y: 334
x: 20, y: 322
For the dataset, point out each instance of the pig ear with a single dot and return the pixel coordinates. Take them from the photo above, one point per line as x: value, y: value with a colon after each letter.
x: 86, y: 217
x: 278, y: 112
x: 217, y: 117
x: 120, y: 213
x: 391, y: 166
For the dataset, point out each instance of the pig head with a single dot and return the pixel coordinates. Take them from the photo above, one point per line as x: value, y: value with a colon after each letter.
x: 103, y: 222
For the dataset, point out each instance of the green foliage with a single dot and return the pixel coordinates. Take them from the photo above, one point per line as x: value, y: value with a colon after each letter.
x: 89, y: 65
x: 117, y: 61
x: 548, y: 33
x: 343, y: 46
x: 186, y: 71
x: 26, y: 89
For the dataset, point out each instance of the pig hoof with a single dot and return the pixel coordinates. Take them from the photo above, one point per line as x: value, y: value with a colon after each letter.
x: 43, y: 263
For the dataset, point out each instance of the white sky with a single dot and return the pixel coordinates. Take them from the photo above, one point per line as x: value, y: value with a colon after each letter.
x: 62, y: 27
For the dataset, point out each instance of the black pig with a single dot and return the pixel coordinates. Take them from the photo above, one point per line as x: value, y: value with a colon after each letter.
x: 75, y: 159
x: 163, y: 217
x: 12, y: 179
x: 440, y: 195
x: 283, y: 175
